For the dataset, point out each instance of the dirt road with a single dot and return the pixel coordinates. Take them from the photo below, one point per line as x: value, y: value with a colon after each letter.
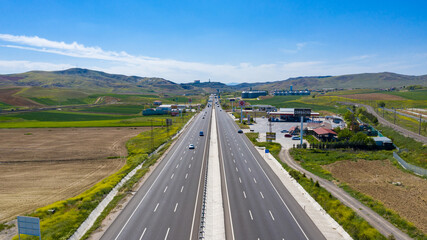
x: 384, y: 122
x: 382, y: 225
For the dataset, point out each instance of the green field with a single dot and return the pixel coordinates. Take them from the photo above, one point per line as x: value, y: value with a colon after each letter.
x: 316, y: 103
x: 412, y: 95
x: 55, y: 96
x: 52, y: 102
x: 4, y: 105
x: 117, y: 109
x: 53, y: 119
x: 59, y: 116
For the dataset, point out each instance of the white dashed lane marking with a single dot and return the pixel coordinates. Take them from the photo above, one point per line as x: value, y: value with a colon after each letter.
x: 142, y: 235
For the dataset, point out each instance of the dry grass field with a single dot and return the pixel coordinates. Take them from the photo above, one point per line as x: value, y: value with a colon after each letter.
x: 376, y: 178
x: 373, y: 96
x: 42, y: 166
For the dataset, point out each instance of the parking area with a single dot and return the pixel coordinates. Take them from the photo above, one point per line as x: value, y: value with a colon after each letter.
x: 262, y: 126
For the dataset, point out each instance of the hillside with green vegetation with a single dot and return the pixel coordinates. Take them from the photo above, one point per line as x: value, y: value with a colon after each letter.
x: 363, y: 80
x: 77, y: 78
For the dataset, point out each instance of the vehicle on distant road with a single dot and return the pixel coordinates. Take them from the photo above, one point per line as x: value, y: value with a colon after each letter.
x: 201, y: 133
x: 288, y: 135
x: 191, y: 146
x: 240, y: 131
x: 284, y: 131
x: 296, y: 138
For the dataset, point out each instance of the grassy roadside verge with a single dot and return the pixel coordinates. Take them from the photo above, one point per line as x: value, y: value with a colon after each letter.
x: 70, y: 213
x: 357, y: 227
x: 312, y: 159
x: 124, y: 190
x: 415, y: 153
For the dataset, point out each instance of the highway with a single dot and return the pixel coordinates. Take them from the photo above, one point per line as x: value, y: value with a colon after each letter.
x: 257, y: 205
x: 167, y: 206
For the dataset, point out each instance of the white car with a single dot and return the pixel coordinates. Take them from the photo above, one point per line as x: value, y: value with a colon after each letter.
x: 191, y: 146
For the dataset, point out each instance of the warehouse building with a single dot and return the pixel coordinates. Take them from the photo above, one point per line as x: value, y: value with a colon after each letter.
x: 253, y: 94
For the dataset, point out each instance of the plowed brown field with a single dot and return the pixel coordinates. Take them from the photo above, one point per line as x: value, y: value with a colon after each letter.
x: 7, y: 95
x: 42, y: 166
x: 375, y: 178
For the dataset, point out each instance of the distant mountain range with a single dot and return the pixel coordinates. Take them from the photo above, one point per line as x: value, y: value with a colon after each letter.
x: 78, y: 78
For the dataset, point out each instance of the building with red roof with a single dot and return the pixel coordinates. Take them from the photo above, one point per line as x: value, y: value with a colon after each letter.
x: 324, y: 134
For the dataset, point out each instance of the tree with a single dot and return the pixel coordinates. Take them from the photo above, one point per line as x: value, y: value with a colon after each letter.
x: 381, y: 104
x: 361, y: 138
x: 345, y: 134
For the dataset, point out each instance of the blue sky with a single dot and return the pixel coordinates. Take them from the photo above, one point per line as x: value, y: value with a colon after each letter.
x: 227, y: 41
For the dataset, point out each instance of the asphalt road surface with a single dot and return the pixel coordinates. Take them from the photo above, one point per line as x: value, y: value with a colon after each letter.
x: 167, y: 206
x: 257, y: 205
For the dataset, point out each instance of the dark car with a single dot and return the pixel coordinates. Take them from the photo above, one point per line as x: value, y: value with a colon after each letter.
x: 288, y: 135
x: 240, y: 131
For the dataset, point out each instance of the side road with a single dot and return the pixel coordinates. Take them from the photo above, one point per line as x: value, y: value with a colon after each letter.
x: 382, y: 225
x: 402, y: 130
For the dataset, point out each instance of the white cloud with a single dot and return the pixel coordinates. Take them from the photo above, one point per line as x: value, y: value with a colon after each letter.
x: 23, y: 66
x: 298, y: 47
x: 361, y: 57
x: 175, y: 70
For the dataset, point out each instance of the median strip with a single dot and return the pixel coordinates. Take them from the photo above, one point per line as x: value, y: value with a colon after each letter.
x: 215, y: 228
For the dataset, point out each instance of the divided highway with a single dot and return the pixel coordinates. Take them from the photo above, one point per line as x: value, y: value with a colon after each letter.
x: 167, y: 206
x: 256, y: 204
x: 259, y: 206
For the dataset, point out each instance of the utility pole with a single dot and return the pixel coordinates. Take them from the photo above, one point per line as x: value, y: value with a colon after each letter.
x: 152, y: 136
x: 301, y: 130
x: 241, y: 115
x: 395, y: 116
x: 419, y: 127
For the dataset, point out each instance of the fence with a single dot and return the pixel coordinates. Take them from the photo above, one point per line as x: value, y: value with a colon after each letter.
x: 408, y: 166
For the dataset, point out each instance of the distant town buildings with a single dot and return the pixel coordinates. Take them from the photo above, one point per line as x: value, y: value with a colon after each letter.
x: 291, y: 92
x: 174, y: 109
x: 253, y: 94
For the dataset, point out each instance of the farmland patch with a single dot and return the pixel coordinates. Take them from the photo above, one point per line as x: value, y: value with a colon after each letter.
x: 397, y: 190
x: 42, y: 166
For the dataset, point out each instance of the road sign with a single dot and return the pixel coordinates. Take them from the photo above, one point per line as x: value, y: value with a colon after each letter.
x: 168, y: 122
x: 232, y: 99
x: 241, y: 103
x: 271, y: 136
x: 29, y: 226
x: 302, y: 111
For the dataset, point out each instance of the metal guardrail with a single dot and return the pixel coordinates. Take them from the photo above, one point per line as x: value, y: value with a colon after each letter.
x: 408, y: 166
x: 203, y: 214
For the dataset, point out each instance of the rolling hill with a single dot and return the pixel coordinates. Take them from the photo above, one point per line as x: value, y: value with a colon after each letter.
x: 96, y: 81
x: 363, y: 80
